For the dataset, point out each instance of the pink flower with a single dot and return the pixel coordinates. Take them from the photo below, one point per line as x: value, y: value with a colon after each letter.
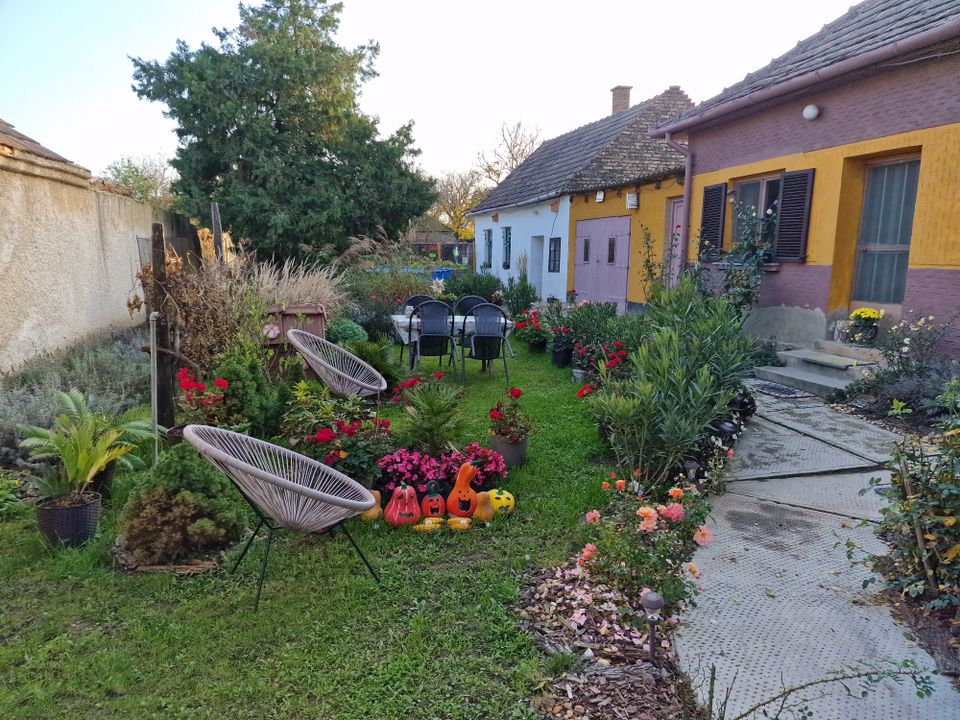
x: 730, y: 453
x: 703, y: 536
x: 592, y: 517
x: 605, y: 485
x: 621, y: 484
x: 673, y: 512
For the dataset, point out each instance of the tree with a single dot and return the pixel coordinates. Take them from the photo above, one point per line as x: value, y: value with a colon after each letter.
x: 457, y: 193
x: 269, y: 127
x: 148, y: 177
x: 516, y: 144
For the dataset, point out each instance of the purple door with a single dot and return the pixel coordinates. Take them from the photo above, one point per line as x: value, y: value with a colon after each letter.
x: 602, y: 262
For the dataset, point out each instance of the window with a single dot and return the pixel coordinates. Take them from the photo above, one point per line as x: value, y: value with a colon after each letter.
x: 611, y: 251
x: 553, y: 256
x: 586, y: 250
x: 506, y: 248
x: 761, y: 195
x: 488, y: 248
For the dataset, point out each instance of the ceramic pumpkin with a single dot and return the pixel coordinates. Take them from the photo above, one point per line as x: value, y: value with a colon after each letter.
x: 433, y: 505
x: 484, y: 511
x: 502, y: 501
x: 462, y: 501
x: 374, y: 513
x: 403, y: 508
x: 428, y: 525
x: 459, y: 524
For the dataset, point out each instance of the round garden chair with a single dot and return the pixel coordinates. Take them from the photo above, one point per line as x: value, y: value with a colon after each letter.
x: 344, y: 373
x: 285, y: 489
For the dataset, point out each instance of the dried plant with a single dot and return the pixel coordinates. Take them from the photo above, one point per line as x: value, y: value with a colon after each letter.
x: 298, y: 283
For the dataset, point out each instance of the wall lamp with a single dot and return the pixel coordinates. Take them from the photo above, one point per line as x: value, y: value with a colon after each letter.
x: 811, y: 112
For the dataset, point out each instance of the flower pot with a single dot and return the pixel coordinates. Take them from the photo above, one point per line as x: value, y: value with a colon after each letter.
x: 514, y: 453
x: 579, y: 376
x: 102, y: 482
x: 562, y: 358
x: 537, y: 346
x: 72, y: 525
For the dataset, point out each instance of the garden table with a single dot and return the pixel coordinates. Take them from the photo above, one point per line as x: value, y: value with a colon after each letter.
x: 401, y: 323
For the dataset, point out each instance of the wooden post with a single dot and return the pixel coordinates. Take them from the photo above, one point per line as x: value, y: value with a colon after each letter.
x: 217, y: 230
x: 165, y: 364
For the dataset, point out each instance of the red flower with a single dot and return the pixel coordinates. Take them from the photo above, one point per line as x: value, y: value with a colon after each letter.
x: 332, y: 457
x: 515, y: 393
x: 585, y: 390
x: 221, y: 383
x: 351, y: 430
x: 373, y: 297
x: 556, y: 329
x: 617, y: 344
x: 622, y: 353
x: 437, y: 375
x: 385, y: 424
x: 325, y: 435
x: 565, y: 329
x: 496, y: 414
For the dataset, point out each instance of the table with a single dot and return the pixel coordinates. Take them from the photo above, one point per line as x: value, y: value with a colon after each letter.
x: 402, y: 325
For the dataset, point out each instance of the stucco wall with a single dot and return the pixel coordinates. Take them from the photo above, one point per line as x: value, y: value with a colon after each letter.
x: 68, y: 256
x: 526, y: 222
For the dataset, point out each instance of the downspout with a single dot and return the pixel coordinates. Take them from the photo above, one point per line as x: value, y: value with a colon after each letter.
x: 687, y: 184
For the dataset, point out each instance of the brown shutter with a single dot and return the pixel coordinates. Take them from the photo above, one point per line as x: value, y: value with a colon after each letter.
x: 793, y: 216
x: 712, y: 218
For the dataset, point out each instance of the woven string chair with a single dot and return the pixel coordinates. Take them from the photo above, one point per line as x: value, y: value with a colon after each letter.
x: 345, y: 374
x: 489, y: 340
x: 285, y: 489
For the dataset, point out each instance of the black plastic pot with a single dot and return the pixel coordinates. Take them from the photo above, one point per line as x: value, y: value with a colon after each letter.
x: 70, y: 526
x: 103, y: 481
x: 537, y: 346
x: 561, y: 358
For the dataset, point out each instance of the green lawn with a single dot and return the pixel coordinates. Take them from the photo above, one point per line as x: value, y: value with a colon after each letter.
x: 437, y: 640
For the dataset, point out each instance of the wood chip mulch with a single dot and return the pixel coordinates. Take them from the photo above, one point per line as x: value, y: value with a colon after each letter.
x: 569, y: 612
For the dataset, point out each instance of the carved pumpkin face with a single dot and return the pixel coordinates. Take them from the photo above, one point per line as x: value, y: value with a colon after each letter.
x: 433, y: 504
x: 403, y: 508
x: 502, y: 501
x: 463, y: 500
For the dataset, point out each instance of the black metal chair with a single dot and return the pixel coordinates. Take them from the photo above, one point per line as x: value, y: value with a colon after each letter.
x: 413, y: 301
x: 467, y: 303
x: 435, y: 337
x: 489, y: 339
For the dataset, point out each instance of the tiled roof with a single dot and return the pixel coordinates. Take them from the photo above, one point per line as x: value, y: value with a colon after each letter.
x: 616, y: 150
x: 867, y: 26
x: 19, y: 141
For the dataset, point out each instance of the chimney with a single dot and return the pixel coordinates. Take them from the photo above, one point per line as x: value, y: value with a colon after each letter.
x: 621, y: 98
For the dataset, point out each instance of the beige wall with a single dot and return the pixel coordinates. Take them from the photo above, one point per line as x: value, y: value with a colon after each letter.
x: 68, y: 256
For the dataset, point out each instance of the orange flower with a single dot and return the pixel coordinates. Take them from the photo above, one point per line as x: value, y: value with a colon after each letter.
x: 621, y: 484
x: 675, y: 493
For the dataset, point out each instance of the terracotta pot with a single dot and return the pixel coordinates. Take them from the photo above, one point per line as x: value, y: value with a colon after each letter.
x: 70, y: 526
x: 561, y: 358
x: 514, y: 453
x: 537, y: 346
x: 311, y: 318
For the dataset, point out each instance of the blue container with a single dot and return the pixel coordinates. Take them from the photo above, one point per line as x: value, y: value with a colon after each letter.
x: 442, y: 274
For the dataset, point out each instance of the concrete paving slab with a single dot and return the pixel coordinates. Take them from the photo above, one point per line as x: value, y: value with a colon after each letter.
x: 838, y: 493
x: 848, y: 432
x: 766, y: 450
x: 781, y: 604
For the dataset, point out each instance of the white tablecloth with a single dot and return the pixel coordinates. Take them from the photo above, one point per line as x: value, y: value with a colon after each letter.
x: 401, y: 323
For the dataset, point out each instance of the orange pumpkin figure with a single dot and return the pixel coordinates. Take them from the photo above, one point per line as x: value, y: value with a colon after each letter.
x: 374, y: 513
x: 463, y: 500
x: 403, y: 508
x: 484, y: 511
x: 433, y: 504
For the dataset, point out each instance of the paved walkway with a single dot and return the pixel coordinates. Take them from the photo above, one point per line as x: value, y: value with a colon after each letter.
x: 781, y: 604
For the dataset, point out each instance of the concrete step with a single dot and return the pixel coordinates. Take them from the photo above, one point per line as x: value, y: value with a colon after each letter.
x: 854, y: 352
x: 836, y: 366
x: 808, y: 380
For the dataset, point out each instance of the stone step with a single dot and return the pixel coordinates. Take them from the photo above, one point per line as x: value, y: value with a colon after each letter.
x: 809, y: 380
x: 854, y: 352
x: 836, y: 366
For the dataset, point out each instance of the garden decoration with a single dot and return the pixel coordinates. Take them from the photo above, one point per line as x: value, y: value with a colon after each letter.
x: 344, y: 373
x: 285, y: 489
x: 403, y: 508
x: 502, y: 501
x: 433, y: 505
x: 462, y: 501
x: 510, y: 429
x: 429, y: 525
x: 484, y: 510
x: 459, y: 524
x: 374, y: 513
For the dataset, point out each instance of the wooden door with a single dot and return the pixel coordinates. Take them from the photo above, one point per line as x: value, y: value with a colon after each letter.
x: 602, y: 262
x: 673, y: 249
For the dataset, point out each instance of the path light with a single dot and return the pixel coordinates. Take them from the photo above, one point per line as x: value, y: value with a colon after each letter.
x: 690, y: 468
x: 652, y: 604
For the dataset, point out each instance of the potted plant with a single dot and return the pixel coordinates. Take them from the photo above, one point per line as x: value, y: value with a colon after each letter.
x: 510, y: 428
x: 561, y: 345
x: 81, y: 445
x: 530, y: 328
x: 864, y: 323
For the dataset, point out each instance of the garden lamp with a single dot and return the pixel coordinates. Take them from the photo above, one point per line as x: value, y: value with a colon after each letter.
x: 690, y: 468
x: 652, y: 604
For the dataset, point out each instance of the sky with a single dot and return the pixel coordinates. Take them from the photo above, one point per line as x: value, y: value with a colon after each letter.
x: 457, y: 69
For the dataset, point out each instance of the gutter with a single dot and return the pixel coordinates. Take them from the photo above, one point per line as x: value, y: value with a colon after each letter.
x: 528, y: 201
x: 915, y: 42
x: 687, y: 193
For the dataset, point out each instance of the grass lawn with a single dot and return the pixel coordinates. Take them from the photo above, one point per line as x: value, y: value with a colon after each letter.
x: 437, y: 640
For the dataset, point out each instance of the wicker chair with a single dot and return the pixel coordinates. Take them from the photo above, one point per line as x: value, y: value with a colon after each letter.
x: 489, y: 340
x: 435, y: 337
x: 285, y: 489
x: 345, y: 374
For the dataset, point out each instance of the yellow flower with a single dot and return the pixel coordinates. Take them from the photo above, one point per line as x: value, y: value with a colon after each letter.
x: 344, y: 453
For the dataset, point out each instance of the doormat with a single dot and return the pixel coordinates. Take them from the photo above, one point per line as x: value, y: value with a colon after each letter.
x: 779, y: 391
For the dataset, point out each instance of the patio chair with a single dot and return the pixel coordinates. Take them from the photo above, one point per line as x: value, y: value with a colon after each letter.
x: 344, y: 373
x: 489, y: 340
x: 467, y: 303
x: 436, y: 338
x: 413, y: 302
x: 286, y: 490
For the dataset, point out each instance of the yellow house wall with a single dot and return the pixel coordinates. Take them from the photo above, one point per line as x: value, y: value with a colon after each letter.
x: 838, y: 194
x: 651, y: 213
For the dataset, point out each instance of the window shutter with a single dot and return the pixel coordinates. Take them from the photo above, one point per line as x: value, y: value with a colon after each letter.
x: 712, y: 218
x: 793, y: 216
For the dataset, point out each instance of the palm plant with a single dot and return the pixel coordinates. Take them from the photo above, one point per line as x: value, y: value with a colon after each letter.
x: 434, y: 422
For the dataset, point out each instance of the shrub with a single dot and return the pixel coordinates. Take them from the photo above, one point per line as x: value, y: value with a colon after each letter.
x: 186, y: 509
x: 530, y: 327
x: 298, y: 283
x: 911, y: 347
x: 254, y: 399
x: 11, y: 490
x: 588, y: 321
x: 344, y: 331
x: 352, y: 447
x: 377, y: 295
x: 309, y: 405
x: 519, y: 295
x: 507, y: 420
x: 376, y: 353
x: 482, y: 284
x: 434, y: 421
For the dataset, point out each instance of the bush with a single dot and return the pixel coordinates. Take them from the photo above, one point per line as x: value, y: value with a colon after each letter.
x: 588, y: 322
x: 352, y: 447
x: 253, y: 397
x: 344, y: 331
x: 376, y: 353
x: 295, y: 283
x: 377, y: 295
x: 482, y: 284
x: 519, y: 295
x: 186, y: 509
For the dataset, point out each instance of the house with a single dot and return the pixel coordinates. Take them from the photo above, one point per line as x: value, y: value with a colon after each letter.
x: 852, y: 139
x: 597, y: 183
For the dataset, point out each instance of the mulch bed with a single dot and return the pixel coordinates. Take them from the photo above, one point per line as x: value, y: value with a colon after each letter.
x: 572, y: 613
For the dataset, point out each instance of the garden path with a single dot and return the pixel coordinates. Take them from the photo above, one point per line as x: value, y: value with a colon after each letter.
x: 782, y: 605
